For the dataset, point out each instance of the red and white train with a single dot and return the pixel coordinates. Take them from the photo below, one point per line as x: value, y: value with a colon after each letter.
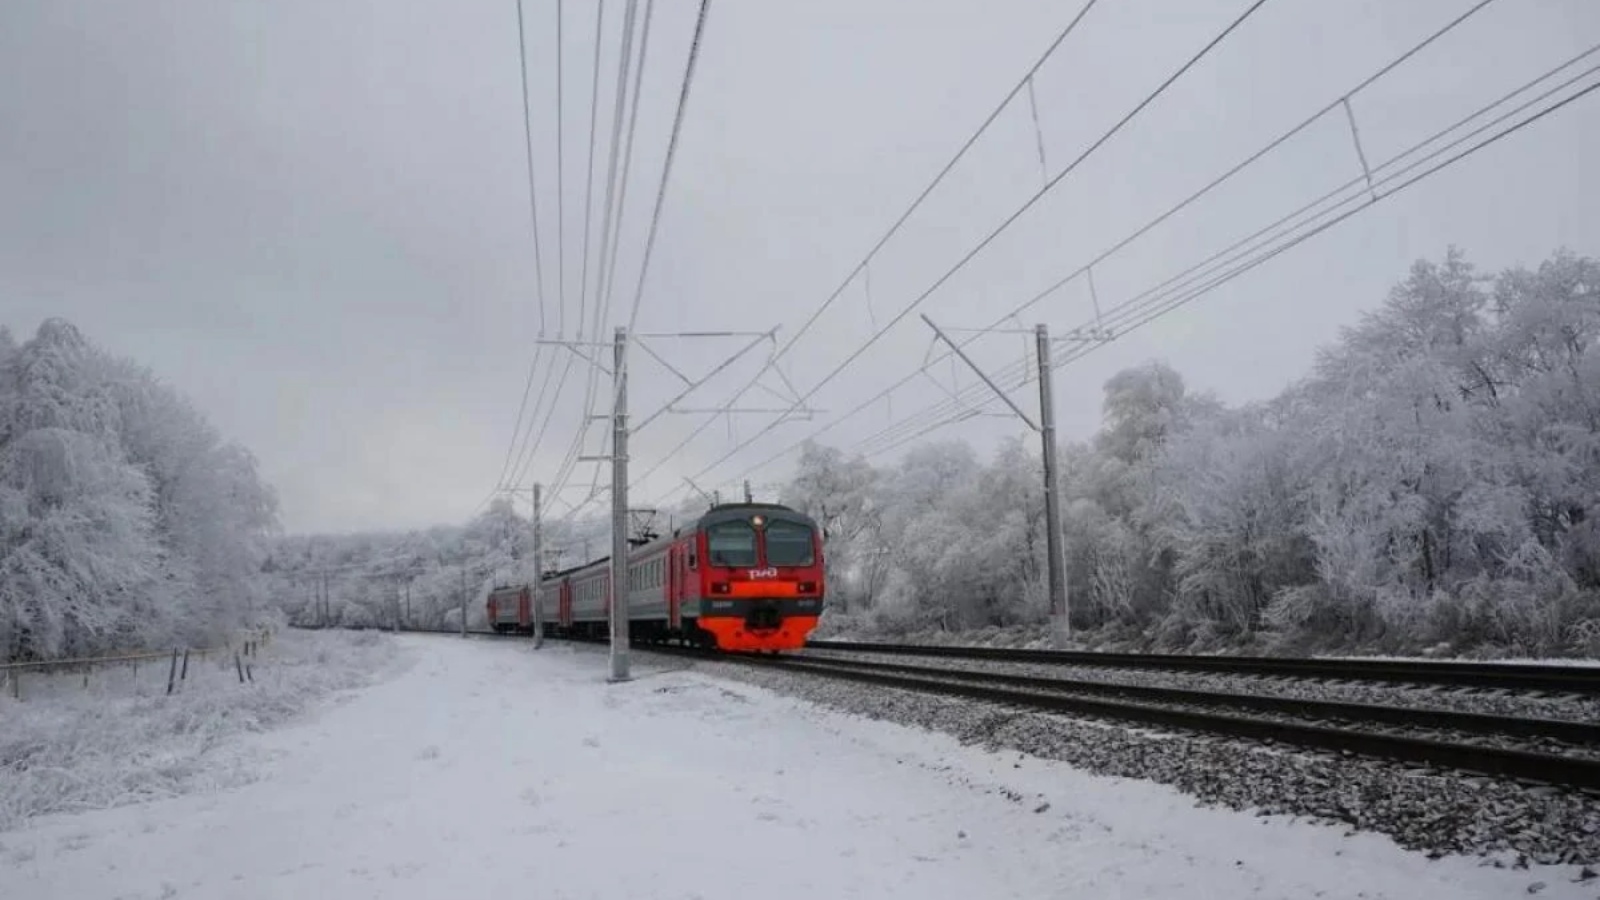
x: 742, y: 577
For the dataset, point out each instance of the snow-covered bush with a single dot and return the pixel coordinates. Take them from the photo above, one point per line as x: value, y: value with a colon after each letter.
x: 124, y: 740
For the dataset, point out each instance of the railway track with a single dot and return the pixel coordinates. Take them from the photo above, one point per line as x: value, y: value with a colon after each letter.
x: 1547, y: 751
x: 1579, y: 680
x: 1563, y: 753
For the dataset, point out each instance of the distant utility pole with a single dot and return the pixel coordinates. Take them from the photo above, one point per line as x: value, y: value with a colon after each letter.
x: 619, y: 513
x: 538, y: 569
x: 463, y: 599
x: 1055, y: 567
x: 536, y: 497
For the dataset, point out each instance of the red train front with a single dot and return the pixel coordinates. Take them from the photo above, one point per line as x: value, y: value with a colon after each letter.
x: 761, y: 585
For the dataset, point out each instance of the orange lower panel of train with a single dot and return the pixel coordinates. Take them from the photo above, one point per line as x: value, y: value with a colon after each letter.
x: 734, y: 635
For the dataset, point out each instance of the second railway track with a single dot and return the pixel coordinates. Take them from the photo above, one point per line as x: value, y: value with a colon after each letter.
x: 1368, y: 729
x: 1575, y: 679
x: 1558, y: 752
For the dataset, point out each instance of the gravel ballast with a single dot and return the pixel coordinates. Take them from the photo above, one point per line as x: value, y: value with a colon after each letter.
x: 1501, y: 703
x: 1424, y: 810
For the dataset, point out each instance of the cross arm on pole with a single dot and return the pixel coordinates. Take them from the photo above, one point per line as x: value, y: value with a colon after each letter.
x: 692, y: 385
x: 590, y: 360
x: 974, y: 366
x: 574, y: 347
x: 657, y: 357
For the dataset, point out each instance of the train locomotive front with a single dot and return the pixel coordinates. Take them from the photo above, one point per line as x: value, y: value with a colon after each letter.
x: 761, y: 584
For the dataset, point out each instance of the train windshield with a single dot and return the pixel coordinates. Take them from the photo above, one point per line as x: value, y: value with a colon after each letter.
x: 788, y: 544
x: 731, y: 544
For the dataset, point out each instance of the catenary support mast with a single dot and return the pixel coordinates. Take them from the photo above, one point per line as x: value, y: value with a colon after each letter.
x: 619, y: 513
x: 1060, y: 627
x: 1055, y: 566
x: 538, y: 567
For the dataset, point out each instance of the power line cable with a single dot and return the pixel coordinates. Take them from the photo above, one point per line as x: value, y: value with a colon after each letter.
x: 1250, y: 252
x: 627, y: 156
x: 533, y: 215
x: 624, y: 60
x: 588, y: 227
x: 561, y: 179
x: 961, y: 263
x: 666, y: 168
x: 588, y: 202
x: 527, y: 133
x: 1363, y: 186
x: 893, y: 228
x: 530, y: 449
x: 1185, y: 203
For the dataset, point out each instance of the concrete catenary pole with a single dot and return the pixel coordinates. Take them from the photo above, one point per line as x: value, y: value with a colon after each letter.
x: 1060, y: 626
x: 619, y: 514
x: 538, y: 569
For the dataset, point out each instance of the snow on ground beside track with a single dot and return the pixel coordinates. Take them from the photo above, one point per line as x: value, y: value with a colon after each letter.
x: 124, y: 740
x: 490, y: 770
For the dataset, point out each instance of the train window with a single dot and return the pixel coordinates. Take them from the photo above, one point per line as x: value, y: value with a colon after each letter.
x: 731, y: 544
x: 788, y: 544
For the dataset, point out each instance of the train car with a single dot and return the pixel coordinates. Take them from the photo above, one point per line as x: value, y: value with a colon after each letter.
x: 742, y: 577
x: 510, y: 609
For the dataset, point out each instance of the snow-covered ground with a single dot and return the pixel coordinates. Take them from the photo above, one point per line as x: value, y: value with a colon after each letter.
x: 113, y: 737
x: 487, y: 769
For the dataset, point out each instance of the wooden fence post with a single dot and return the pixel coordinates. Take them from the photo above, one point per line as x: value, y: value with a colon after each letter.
x: 172, y: 671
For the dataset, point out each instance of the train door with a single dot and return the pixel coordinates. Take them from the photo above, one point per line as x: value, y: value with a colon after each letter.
x: 673, y: 591
x: 686, y: 586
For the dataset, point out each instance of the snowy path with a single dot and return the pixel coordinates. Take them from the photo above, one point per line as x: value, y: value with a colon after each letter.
x: 489, y: 771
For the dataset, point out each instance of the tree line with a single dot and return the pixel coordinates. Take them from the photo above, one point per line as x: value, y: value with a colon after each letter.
x: 1431, y: 484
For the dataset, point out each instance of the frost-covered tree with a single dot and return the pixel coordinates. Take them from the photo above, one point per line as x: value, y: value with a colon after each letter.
x: 125, y: 521
x: 840, y: 495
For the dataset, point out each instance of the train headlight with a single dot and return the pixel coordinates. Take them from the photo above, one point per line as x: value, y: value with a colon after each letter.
x: 758, y: 521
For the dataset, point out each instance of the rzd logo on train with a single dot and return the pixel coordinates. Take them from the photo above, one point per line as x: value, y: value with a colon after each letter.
x: 762, y: 573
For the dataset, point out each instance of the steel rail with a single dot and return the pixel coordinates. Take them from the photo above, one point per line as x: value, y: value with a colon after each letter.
x: 1508, y: 676
x: 1565, y: 730
x: 1524, y: 765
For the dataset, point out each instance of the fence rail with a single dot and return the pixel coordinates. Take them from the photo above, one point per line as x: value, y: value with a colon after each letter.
x: 247, y: 648
x: 45, y: 665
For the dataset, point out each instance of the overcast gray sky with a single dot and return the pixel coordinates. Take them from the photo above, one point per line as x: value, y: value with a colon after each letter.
x: 311, y: 216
